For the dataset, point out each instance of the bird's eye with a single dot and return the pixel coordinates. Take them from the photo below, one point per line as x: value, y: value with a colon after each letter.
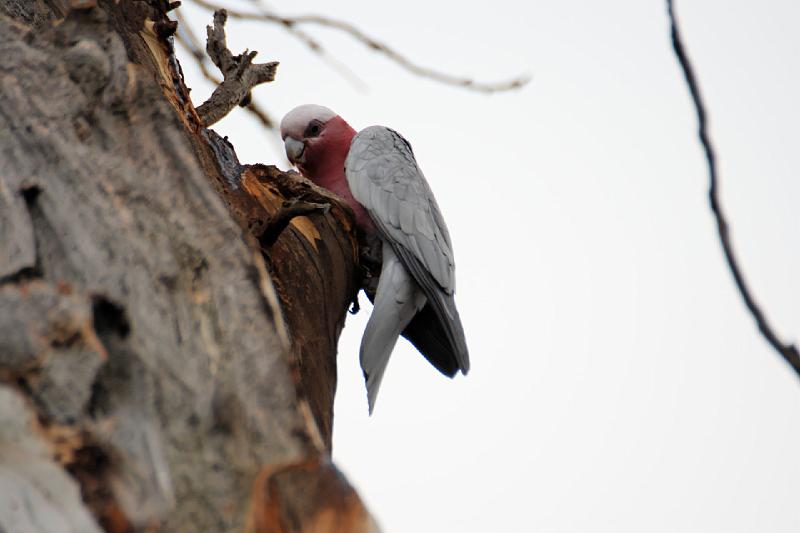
x: 313, y: 129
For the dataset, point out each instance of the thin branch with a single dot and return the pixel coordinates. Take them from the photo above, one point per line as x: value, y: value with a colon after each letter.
x: 341, y: 68
x: 787, y: 351
x: 373, y: 44
x: 192, y: 44
x: 262, y: 116
x: 239, y: 73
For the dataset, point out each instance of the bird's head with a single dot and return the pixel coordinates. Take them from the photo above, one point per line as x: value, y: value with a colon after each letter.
x: 316, y: 139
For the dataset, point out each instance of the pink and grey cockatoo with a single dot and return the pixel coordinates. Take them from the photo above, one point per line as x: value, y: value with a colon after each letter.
x: 376, y: 173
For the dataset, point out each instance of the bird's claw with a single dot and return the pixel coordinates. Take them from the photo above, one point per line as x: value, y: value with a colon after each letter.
x: 355, y: 306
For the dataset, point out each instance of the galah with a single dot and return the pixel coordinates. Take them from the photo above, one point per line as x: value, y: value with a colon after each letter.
x: 376, y: 173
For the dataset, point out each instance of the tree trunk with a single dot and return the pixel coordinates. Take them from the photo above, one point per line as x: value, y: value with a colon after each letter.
x: 167, y: 353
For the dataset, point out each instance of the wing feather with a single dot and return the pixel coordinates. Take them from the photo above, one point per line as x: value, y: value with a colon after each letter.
x: 384, y: 177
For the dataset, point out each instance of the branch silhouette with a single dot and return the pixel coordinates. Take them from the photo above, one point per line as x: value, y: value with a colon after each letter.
x: 787, y: 351
x: 291, y: 23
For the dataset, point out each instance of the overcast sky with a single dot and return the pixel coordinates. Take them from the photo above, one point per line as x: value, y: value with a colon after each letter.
x: 617, y: 382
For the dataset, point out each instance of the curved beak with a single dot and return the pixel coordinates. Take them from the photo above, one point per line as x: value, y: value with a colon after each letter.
x: 294, y: 149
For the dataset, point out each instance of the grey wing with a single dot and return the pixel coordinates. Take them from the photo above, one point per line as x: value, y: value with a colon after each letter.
x: 384, y: 177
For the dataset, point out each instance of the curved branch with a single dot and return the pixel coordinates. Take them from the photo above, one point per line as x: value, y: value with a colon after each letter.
x: 291, y: 22
x: 787, y: 351
x: 340, y: 67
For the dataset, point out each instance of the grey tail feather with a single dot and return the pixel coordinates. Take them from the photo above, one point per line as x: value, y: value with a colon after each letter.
x: 426, y: 333
x: 376, y: 348
x: 377, y: 345
x: 397, y: 300
x: 373, y: 382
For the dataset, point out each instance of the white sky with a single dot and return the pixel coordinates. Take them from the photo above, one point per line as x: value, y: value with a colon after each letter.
x: 617, y: 382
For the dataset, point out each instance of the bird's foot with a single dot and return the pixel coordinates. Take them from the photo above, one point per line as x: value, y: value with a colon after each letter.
x: 355, y: 307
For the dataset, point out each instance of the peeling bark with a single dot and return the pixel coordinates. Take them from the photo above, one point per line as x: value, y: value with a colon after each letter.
x: 156, y: 361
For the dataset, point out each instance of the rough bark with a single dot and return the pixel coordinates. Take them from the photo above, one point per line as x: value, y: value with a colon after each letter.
x: 160, y: 369
x: 239, y: 74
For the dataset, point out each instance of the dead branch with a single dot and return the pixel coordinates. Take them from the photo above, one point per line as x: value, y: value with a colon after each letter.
x: 290, y: 24
x: 787, y: 351
x: 239, y: 72
x: 186, y: 38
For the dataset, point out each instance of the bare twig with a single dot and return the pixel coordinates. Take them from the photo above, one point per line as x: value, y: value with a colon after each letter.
x: 787, y: 351
x: 239, y: 72
x: 290, y: 24
x: 341, y: 68
x: 261, y: 115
